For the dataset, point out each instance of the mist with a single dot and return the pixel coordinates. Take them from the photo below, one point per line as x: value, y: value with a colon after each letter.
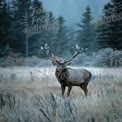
x: 72, y: 10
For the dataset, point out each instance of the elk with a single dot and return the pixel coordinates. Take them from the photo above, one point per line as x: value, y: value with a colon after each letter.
x: 69, y: 77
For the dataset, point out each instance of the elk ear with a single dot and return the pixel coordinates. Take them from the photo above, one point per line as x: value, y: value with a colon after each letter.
x: 68, y: 63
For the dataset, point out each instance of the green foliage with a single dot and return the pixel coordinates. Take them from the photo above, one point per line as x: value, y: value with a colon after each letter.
x: 110, y: 33
x: 85, y: 33
x: 36, y: 40
x: 7, y: 50
x: 17, y: 15
x: 20, y: 9
x: 61, y: 39
x: 5, y: 23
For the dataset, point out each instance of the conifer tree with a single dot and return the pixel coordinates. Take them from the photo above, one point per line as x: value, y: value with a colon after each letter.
x: 85, y: 34
x: 109, y: 34
x: 37, y: 39
x: 5, y: 23
x: 61, y: 39
x: 21, y: 11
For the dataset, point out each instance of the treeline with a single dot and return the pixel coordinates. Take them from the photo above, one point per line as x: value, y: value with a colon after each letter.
x: 16, y: 17
x: 109, y: 31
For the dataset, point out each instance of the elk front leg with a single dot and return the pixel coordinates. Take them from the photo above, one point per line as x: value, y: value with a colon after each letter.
x: 69, y: 90
x: 63, y: 89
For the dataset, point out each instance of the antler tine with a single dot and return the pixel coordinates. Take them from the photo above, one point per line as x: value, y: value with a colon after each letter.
x: 54, y: 59
x: 75, y: 55
x: 77, y: 52
x: 46, y: 50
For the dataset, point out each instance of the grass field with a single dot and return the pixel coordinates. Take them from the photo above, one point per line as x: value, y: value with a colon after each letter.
x: 34, y: 95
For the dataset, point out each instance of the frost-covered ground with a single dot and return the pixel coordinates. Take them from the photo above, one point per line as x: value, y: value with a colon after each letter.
x: 33, y: 95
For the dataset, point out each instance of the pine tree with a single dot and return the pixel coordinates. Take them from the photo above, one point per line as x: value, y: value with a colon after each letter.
x: 7, y: 50
x: 61, y: 39
x: 20, y: 9
x: 109, y: 34
x: 103, y: 29
x: 85, y: 34
x: 5, y: 23
x: 51, y: 33
x: 116, y: 27
x: 38, y: 39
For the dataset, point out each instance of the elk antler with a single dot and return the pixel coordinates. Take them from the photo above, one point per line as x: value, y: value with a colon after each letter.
x: 59, y: 61
x: 77, y: 52
x: 46, y: 50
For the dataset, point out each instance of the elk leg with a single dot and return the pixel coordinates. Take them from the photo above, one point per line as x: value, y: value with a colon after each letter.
x: 84, y: 87
x: 63, y: 89
x: 69, y: 90
x: 85, y: 91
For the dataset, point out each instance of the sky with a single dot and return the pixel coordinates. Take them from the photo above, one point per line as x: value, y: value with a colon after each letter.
x: 72, y: 10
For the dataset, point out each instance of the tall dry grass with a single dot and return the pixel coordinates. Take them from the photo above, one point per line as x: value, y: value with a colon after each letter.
x: 33, y: 95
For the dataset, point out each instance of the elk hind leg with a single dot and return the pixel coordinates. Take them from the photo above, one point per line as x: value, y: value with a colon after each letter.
x: 84, y: 88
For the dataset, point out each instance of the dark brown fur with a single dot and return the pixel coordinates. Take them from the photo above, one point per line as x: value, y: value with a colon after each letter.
x: 62, y: 76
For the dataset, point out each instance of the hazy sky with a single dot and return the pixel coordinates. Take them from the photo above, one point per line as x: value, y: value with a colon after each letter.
x: 72, y: 10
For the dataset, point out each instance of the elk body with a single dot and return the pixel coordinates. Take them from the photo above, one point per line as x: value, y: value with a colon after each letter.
x: 69, y: 77
x: 72, y: 77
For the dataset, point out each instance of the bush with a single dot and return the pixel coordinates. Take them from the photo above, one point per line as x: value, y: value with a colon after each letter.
x: 35, y: 61
x: 103, y: 58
